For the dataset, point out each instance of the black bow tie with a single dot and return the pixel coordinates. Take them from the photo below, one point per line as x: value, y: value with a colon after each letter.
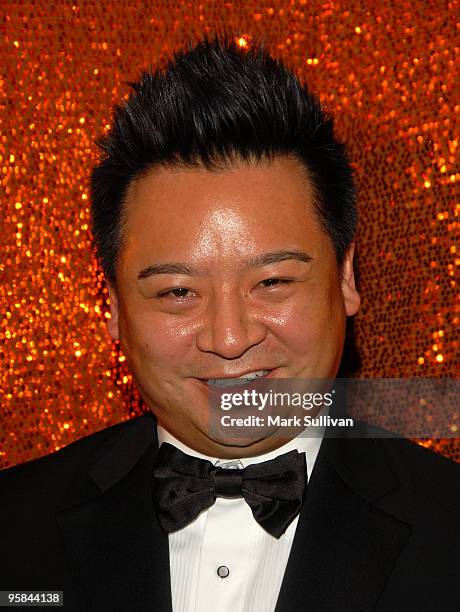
x: 185, y: 486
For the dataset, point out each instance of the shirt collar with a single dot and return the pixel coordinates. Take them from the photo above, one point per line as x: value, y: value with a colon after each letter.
x: 308, y: 445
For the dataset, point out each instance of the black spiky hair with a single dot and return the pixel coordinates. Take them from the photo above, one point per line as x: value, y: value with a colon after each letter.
x: 214, y: 103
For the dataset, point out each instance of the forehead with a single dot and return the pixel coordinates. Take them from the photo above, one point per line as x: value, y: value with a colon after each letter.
x: 198, y: 213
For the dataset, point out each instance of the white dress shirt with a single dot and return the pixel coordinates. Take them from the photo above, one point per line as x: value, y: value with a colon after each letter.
x: 227, y: 536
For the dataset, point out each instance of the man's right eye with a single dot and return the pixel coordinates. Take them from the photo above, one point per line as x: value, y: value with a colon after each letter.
x: 176, y: 292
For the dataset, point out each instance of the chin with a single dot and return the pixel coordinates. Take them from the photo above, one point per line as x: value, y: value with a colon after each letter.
x: 236, y: 441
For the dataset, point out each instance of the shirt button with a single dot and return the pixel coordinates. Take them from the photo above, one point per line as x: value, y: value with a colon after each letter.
x: 223, y: 571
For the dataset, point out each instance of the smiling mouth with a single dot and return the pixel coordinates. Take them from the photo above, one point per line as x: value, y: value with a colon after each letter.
x: 227, y: 381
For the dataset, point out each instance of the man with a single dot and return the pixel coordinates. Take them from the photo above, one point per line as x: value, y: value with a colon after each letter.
x: 223, y: 215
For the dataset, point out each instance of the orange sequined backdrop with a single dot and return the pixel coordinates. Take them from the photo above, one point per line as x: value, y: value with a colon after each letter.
x: 387, y: 69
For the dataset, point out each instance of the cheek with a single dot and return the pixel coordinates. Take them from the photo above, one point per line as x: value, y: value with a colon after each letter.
x: 158, y: 339
x: 293, y: 326
x: 308, y: 322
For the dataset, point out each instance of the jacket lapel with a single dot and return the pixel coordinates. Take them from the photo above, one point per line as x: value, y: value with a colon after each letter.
x: 345, y: 545
x: 118, y: 555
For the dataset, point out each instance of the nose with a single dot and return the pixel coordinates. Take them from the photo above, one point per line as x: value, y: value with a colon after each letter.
x: 229, y: 328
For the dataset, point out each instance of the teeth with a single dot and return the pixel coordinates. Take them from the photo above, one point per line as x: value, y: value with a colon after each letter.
x: 253, y: 375
x: 230, y: 381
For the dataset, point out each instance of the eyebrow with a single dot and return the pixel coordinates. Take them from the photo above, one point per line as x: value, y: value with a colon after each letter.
x: 257, y: 261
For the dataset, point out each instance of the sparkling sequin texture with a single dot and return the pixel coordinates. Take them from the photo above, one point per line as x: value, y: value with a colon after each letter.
x: 389, y: 73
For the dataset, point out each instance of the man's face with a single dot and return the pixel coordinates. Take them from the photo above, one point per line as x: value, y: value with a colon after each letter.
x: 242, y: 278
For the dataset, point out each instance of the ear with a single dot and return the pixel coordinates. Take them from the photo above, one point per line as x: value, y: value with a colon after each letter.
x: 351, y: 296
x: 112, y: 323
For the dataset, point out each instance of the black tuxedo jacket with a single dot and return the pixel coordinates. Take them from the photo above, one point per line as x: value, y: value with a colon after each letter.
x: 378, y: 529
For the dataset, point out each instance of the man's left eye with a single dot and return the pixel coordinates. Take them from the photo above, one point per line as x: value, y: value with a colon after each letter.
x: 273, y: 282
